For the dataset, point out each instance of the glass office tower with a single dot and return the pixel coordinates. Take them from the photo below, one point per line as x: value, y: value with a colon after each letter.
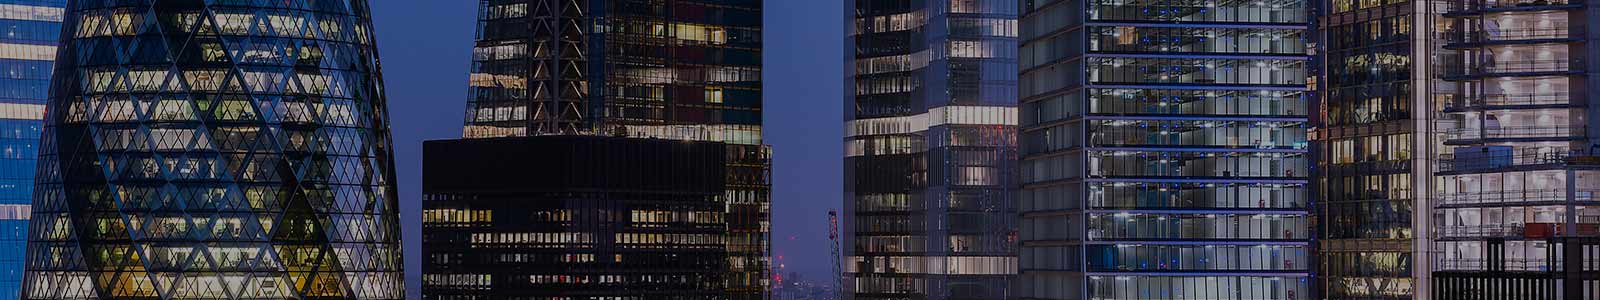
x: 930, y: 149
x: 1517, y: 169
x: 216, y: 150
x: 28, y: 33
x: 687, y: 70
x: 1165, y: 152
x: 1372, y: 145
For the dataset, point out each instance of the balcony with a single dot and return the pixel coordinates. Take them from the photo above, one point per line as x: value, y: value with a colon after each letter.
x: 1512, y: 198
x: 1531, y: 231
x: 1549, y: 230
x: 1481, y: 231
x: 1508, y: 264
x: 1511, y: 67
x: 1508, y: 101
x: 1497, y: 158
x: 1462, y: 136
x: 1466, y: 38
x: 1464, y: 7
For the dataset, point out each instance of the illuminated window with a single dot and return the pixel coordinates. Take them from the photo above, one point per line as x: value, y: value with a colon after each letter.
x: 713, y: 95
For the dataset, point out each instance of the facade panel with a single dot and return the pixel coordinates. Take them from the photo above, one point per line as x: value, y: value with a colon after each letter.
x: 1165, y: 151
x: 29, y: 31
x: 216, y: 150
x: 1372, y: 146
x: 930, y: 149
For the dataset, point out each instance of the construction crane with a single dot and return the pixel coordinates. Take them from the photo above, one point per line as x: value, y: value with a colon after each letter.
x: 833, y: 239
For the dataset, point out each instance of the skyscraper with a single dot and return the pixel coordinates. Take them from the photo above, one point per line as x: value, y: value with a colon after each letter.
x: 28, y: 33
x: 930, y: 149
x: 1517, y: 168
x: 1164, y: 150
x: 1372, y: 146
x: 684, y: 70
x: 216, y: 150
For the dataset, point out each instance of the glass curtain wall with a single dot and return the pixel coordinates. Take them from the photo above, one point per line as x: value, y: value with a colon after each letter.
x: 1165, y: 150
x: 216, y: 150
x: 675, y: 69
x: 930, y: 166
x: 29, y: 30
x: 1371, y: 146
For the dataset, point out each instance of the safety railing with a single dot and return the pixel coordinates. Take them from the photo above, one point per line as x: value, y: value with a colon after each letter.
x: 1511, y: 34
x: 1493, y: 100
x: 1514, y: 132
x: 1513, y: 197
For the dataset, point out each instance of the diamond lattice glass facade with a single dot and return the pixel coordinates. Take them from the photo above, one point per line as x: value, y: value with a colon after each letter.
x: 930, y: 149
x: 216, y: 150
x: 687, y: 70
x: 28, y: 33
x: 1164, y: 150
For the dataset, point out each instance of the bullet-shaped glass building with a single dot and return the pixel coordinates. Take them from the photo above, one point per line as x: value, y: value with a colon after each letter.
x: 1164, y: 150
x: 930, y: 149
x: 216, y: 150
x: 28, y: 33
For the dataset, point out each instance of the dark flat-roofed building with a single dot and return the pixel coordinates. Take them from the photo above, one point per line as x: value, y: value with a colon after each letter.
x: 574, y: 217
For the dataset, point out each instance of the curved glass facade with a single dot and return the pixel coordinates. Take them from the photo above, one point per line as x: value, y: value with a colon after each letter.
x: 29, y: 30
x: 1164, y: 150
x: 216, y: 150
x: 930, y: 149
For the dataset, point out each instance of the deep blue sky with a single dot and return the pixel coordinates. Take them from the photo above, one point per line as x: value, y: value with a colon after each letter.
x: 425, y: 47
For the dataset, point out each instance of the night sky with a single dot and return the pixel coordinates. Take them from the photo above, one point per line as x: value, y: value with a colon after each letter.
x: 426, y: 46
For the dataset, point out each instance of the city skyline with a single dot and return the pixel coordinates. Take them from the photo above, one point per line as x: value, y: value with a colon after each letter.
x: 1471, y: 115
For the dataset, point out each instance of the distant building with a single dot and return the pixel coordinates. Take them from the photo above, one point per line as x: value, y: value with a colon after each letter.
x: 686, y: 71
x: 29, y: 30
x: 1164, y: 150
x: 930, y: 149
x: 805, y: 290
